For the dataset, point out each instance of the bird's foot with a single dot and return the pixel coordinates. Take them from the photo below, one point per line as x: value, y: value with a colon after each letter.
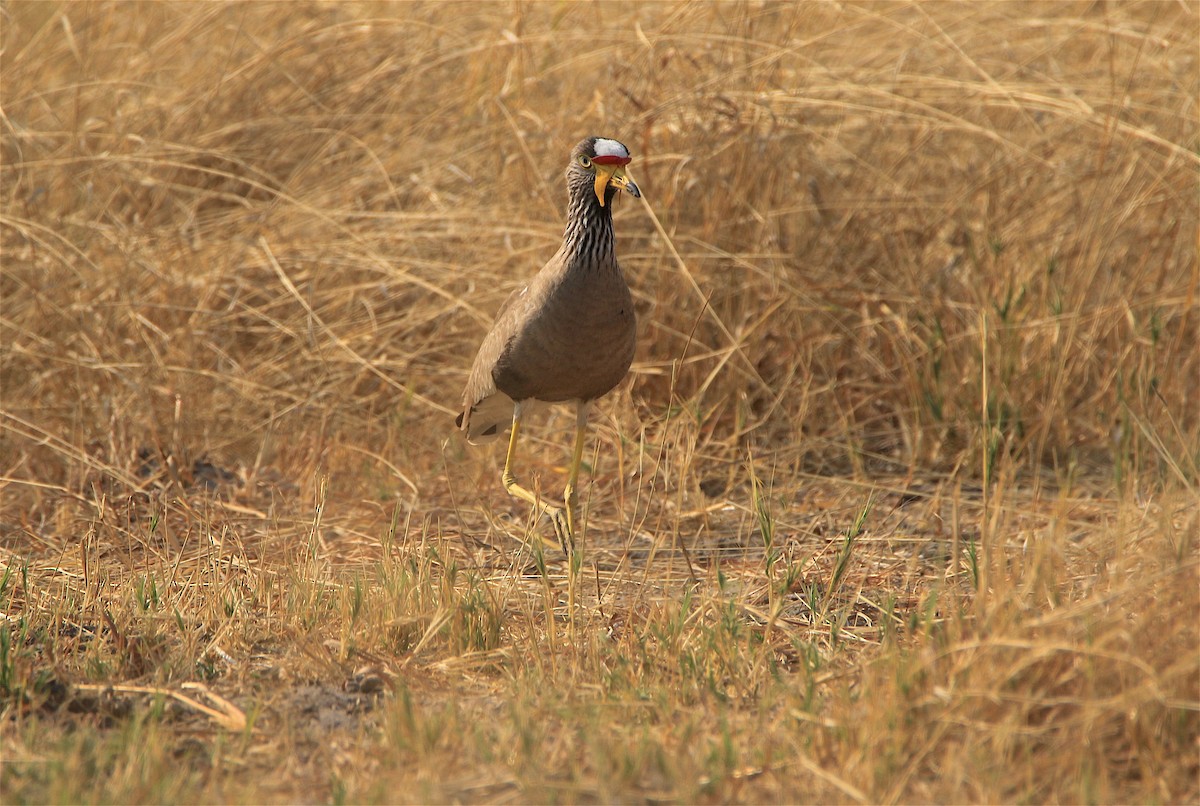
x: 563, y: 528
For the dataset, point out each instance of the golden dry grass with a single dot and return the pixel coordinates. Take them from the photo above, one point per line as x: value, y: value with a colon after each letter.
x: 899, y: 504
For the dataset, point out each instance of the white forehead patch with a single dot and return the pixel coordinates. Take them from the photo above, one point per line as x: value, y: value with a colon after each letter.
x: 610, y: 148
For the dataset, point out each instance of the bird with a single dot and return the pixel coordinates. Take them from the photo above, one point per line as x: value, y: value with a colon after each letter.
x: 567, y: 336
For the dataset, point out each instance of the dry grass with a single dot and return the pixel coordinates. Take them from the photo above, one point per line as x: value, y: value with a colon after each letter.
x: 900, y: 503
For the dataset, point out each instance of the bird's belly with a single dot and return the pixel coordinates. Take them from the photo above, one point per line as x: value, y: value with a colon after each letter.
x: 581, y: 352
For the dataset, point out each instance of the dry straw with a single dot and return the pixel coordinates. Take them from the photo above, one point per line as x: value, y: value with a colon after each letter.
x: 899, y: 503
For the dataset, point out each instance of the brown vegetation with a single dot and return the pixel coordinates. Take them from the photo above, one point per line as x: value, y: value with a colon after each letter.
x: 899, y: 503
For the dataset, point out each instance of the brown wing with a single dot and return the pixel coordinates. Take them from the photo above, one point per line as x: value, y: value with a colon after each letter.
x: 487, y: 412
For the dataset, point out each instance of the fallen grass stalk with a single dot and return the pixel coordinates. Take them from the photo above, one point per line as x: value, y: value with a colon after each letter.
x: 225, y: 714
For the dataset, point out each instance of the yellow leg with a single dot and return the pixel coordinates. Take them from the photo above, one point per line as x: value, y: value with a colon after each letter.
x: 581, y: 418
x: 562, y: 523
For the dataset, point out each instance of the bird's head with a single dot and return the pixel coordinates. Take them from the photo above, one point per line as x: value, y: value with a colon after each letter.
x: 601, y: 162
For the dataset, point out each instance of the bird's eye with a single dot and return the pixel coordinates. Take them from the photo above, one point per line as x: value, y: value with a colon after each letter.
x: 585, y: 161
